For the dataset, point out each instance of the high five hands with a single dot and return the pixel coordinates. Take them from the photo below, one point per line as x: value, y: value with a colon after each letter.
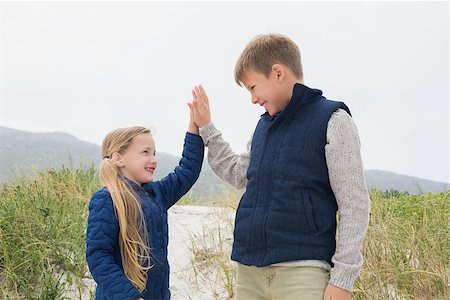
x: 200, y: 107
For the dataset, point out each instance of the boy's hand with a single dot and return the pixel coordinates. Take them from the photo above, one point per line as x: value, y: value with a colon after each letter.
x: 202, y: 112
x: 192, y: 128
x: 334, y: 293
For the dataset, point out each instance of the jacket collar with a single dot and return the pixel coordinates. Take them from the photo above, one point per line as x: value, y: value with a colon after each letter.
x: 301, y: 95
x: 146, y: 187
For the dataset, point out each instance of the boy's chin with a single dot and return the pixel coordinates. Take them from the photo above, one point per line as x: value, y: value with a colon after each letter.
x: 272, y: 112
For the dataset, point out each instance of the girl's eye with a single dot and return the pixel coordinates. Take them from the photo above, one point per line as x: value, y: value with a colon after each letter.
x: 252, y: 87
x: 145, y: 151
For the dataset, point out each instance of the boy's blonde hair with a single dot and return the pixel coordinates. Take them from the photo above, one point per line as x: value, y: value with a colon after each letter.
x: 133, y: 235
x: 265, y: 50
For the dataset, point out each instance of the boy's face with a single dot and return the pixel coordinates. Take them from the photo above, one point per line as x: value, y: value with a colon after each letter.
x: 271, y: 92
x: 138, y: 160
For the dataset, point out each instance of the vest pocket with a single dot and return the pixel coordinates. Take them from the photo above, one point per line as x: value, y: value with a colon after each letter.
x: 309, y: 212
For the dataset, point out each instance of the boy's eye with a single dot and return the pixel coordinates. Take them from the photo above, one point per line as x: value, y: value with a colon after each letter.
x: 252, y: 87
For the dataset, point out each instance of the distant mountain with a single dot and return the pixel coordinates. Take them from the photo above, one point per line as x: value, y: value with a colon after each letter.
x: 384, y: 180
x: 23, y: 153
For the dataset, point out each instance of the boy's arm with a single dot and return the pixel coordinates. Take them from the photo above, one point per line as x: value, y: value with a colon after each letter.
x: 101, y: 235
x: 228, y: 165
x: 346, y: 173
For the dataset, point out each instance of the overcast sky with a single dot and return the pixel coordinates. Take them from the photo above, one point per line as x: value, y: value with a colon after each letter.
x: 88, y: 68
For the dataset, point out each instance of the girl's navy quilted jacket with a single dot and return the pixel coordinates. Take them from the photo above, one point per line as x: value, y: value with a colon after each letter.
x: 102, y: 248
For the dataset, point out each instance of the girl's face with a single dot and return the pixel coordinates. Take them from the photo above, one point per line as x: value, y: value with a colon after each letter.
x: 138, y: 162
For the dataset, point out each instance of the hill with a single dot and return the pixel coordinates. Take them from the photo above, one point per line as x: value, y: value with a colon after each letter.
x: 24, y: 153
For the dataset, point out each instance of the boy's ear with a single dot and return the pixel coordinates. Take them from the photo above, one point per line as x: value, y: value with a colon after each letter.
x: 279, y: 71
x: 117, y: 159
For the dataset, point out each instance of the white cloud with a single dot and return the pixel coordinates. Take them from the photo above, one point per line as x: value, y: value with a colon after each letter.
x: 87, y: 68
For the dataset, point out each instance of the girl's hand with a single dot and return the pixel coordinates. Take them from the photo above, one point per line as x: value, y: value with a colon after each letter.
x: 192, y: 128
x: 202, y: 111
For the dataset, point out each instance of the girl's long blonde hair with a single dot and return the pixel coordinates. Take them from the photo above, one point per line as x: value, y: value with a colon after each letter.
x: 133, y: 235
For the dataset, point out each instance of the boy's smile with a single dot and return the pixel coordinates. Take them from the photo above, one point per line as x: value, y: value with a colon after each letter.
x: 271, y: 92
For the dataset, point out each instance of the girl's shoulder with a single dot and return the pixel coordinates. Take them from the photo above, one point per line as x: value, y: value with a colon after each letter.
x: 101, y: 199
x: 102, y: 193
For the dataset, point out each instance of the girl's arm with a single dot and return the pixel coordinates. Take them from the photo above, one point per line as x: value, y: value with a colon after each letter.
x: 101, y: 239
x: 180, y: 181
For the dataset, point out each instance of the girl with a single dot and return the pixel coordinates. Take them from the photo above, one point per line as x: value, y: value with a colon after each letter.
x: 127, y: 232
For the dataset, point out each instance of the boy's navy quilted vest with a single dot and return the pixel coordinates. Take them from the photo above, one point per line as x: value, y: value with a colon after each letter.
x: 288, y: 211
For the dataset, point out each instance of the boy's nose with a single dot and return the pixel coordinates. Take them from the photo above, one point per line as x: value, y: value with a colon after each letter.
x: 254, y: 99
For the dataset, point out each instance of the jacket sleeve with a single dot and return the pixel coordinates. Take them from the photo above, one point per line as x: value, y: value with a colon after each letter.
x: 101, y: 240
x: 179, y: 182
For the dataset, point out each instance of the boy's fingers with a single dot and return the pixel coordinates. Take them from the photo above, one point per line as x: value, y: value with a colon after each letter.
x: 202, y: 90
x: 198, y: 94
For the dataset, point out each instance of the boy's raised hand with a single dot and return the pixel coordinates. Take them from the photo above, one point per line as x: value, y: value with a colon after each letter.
x: 202, y: 112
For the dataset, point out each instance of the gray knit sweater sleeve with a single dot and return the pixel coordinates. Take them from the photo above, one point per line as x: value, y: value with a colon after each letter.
x: 229, y: 166
x: 345, y: 168
x: 346, y: 174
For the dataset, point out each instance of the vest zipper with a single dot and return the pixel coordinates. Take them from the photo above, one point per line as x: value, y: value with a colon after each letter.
x: 287, y: 118
x: 257, y: 195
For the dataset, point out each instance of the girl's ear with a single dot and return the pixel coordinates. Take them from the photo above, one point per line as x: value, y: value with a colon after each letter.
x: 279, y: 72
x: 117, y: 159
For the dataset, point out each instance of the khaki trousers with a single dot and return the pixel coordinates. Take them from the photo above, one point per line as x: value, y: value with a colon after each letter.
x: 280, y: 283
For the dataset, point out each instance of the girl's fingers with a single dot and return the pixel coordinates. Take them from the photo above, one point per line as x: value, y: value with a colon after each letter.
x: 191, y: 109
x: 195, y: 106
x: 191, y: 112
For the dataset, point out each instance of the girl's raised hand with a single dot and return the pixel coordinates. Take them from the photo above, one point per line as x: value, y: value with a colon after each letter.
x: 200, y: 103
x: 192, y: 128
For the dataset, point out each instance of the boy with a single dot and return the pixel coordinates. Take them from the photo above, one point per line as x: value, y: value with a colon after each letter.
x: 303, y: 166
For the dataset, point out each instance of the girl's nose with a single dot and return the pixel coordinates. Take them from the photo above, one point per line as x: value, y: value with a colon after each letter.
x: 254, y: 99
